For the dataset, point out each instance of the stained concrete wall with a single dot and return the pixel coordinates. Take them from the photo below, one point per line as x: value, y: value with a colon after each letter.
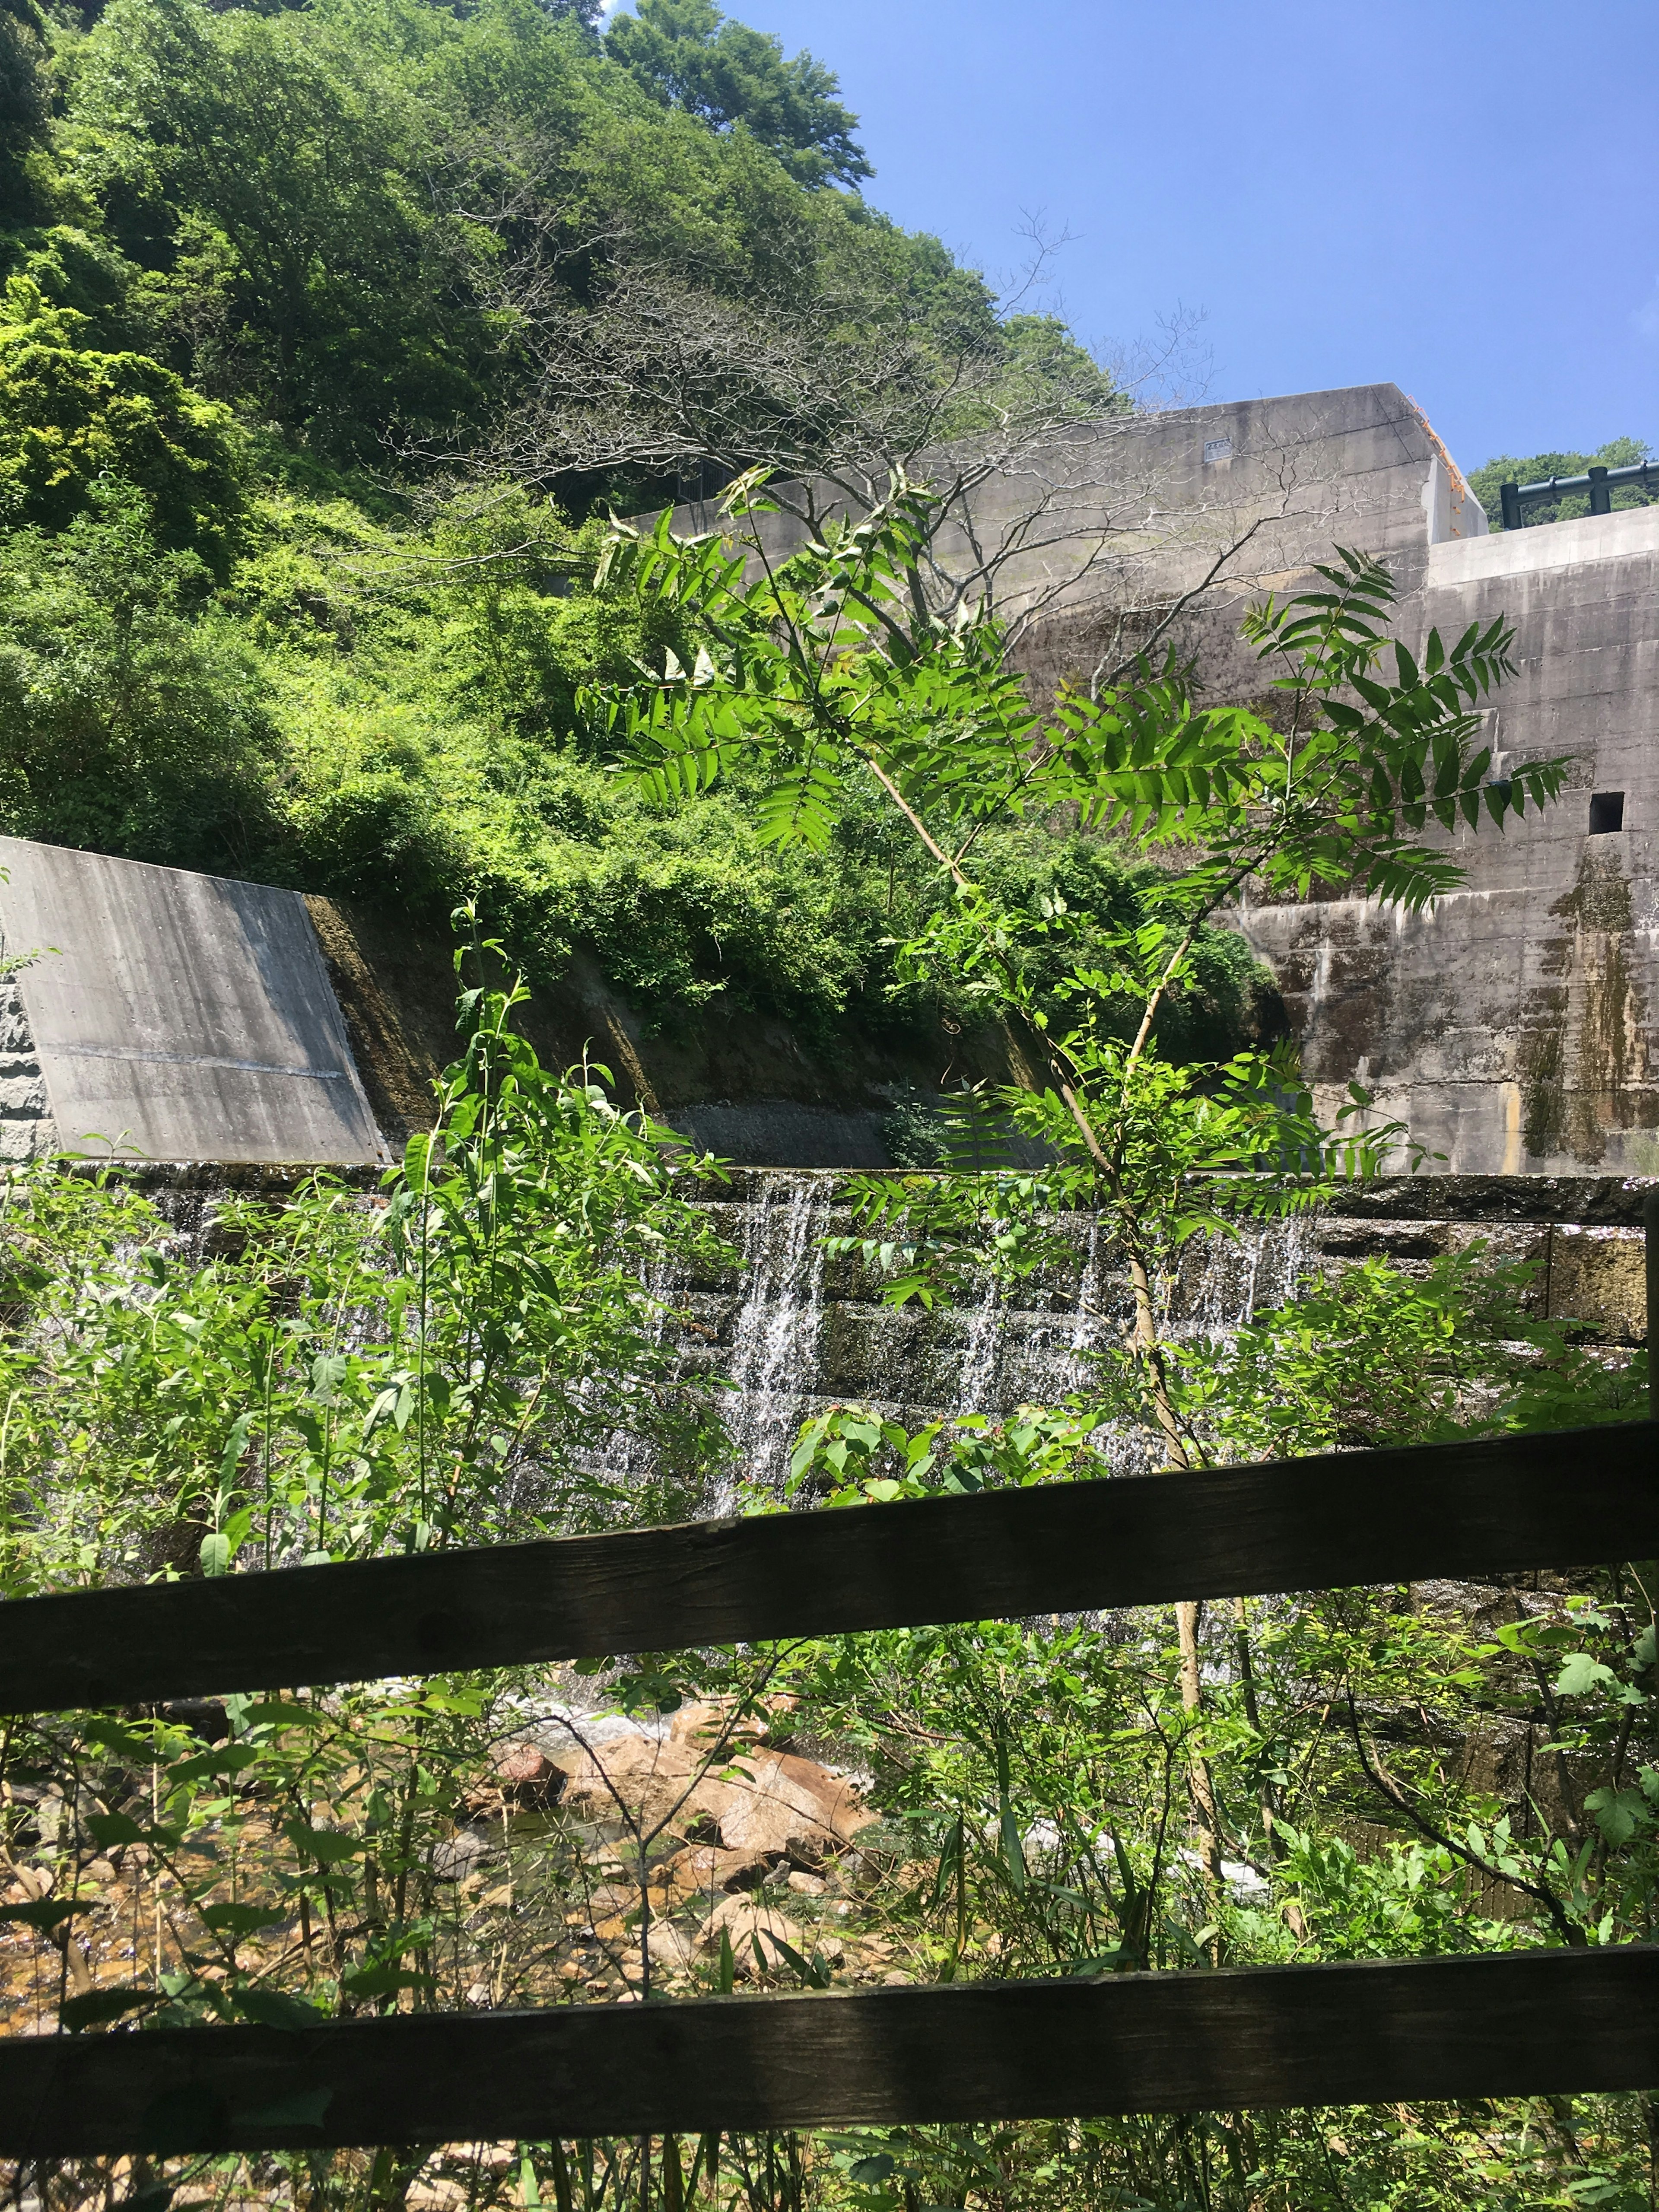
x: 1513, y: 1026
x: 171, y: 1016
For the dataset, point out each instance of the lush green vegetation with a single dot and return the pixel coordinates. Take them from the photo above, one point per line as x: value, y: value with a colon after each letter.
x: 1618, y: 453
x: 330, y: 336
x: 481, y: 1348
x: 327, y: 333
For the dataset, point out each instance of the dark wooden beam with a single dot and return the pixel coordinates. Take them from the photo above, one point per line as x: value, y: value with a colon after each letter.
x: 1512, y: 2024
x: 1576, y: 1498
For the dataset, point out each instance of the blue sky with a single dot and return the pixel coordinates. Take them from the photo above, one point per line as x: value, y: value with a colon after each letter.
x: 1462, y: 197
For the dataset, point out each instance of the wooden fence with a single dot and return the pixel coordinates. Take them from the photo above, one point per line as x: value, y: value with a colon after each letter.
x: 1512, y: 2024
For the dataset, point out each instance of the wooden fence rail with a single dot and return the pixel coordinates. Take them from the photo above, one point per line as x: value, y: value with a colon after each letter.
x: 1579, y: 1498
x: 1513, y: 2024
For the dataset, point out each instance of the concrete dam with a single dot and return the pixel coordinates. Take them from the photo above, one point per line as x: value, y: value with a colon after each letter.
x: 219, y: 1034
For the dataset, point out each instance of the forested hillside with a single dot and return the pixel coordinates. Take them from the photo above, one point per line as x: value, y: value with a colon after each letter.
x: 330, y: 337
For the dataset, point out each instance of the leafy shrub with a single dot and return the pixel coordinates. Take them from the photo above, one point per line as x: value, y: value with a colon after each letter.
x: 131, y: 714
x: 69, y: 419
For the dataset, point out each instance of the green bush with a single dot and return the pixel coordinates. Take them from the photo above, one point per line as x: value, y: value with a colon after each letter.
x: 71, y: 419
x: 133, y: 718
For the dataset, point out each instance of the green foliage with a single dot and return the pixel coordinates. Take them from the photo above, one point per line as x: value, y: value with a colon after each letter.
x: 1485, y: 483
x: 25, y: 97
x: 267, y: 168
x: 262, y: 253
x: 387, y: 225
x: 1223, y: 996
x: 824, y: 676
x: 387, y: 713
x: 356, y: 1375
x: 1380, y: 1356
x: 687, y: 52
x: 914, y: 1132
x: 71, y: 419
x: 131, y: 714
x: 381, y: 230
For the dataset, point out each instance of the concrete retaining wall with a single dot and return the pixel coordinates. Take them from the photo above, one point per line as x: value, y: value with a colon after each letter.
x: 170, y: 1017
x: 1512, y: 1027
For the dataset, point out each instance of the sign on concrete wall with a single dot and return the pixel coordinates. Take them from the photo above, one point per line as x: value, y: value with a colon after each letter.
x: 179, y: 1017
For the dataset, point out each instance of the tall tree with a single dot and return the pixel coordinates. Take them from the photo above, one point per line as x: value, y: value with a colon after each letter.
x: 689, y: 54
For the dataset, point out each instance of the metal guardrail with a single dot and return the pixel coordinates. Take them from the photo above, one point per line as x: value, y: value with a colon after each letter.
x: 1599, y: 482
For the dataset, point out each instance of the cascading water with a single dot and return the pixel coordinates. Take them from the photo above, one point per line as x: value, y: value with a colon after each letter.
x: 794, y: 1329
x: 774, y: 1334
x: 1236, y: 1276
x: 981, y: 1361
x: 791, y: 1343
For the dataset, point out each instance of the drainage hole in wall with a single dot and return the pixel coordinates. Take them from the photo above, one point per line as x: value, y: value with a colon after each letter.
x: 1606, y: 812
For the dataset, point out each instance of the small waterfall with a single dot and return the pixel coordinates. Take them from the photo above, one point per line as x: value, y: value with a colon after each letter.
x: 1031, y: 1346
x: 775, y: 1334
x: 790, y: 1344
x: 1237, y: 1277
x: 981, y: 1357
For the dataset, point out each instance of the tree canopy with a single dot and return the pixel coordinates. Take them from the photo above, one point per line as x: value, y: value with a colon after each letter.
x: 687, y: 52
x: 360, y: 220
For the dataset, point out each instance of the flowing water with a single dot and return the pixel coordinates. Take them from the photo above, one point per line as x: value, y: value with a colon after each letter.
x: 775, y: 1337
x: 797, y: 1330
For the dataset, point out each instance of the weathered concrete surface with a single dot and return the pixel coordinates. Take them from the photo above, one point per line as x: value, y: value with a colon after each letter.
x: 179, y: 1017
x: 1295, y: 477
x: 780, y: 1132
x: 27, y: 1128
x: 1513, y: 1027
x: 1082, y: 543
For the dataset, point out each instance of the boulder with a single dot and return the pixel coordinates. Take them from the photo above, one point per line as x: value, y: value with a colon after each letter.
x: 522, y: 1775
x: 761, y: 1803
x: 704, y: 1722
x: 669, y: 1948
x: 454, y: 1858
x: 773, y: 1802
x: 702, y: 1868
x: 744, y: 1918
x: 648, y: 1782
